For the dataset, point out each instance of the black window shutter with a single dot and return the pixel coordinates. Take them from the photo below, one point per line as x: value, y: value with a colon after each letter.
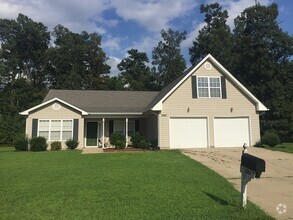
x: 194, y: 87
x: 111, y: 127
x: 35, y: 128
x: 136, y: 125
x: 224, y: 90
x: 75, y: 129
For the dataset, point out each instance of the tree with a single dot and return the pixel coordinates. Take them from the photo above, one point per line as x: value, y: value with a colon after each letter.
x: 214, y: 38
x: 23, y: 45
x: 134, y: 71
x: 263, y: 63
x: 167, y: 58
x: 77, y: 61
x: 14, y: 98
x: 22, y: 72
x: 116, y: 83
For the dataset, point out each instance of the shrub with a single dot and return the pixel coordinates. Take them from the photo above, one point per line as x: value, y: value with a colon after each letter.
x: 118, y: 140
x: 56, y: 145
x: 270, y: 138
x: 71, y: 144
x: 21, y: 144
x: 136, y: 138
x: 258, y: 144
x: 140, y: 141
x: 144, y: 143
x: 38, y: 144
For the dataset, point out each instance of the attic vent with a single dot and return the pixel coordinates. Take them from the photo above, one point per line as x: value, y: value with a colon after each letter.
x: 208, y: 66
x: 56, y: 106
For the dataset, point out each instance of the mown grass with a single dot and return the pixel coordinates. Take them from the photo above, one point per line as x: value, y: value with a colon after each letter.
x: 148, y: 185
x: 285, y: 147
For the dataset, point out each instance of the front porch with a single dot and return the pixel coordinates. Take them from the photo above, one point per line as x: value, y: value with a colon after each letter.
x: 97, y: 131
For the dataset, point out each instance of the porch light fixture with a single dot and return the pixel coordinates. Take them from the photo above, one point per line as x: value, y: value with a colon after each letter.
x: 231, y: 109
x: 188, y: 109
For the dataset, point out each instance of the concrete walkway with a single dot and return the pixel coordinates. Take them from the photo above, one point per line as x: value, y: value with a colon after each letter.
x: 273, y: 188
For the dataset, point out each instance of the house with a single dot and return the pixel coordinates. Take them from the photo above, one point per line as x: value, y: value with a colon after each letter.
x: 205, y: 107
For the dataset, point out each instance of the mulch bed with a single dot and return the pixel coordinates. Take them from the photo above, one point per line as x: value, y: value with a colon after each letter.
x: 128, y: 149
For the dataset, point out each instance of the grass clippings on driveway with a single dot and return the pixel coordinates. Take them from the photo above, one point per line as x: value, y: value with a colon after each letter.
x: 147, y: 185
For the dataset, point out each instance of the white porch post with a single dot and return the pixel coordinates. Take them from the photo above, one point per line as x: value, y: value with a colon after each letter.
x: 126, y: 131
x: 103, y: 133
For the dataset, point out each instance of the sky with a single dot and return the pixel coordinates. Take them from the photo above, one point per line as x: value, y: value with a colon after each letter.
x: 127, y: 24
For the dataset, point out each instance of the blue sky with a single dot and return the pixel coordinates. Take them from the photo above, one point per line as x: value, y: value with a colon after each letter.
x: 126, y: 24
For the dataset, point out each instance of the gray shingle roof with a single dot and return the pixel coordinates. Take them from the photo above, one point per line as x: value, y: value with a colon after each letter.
x: 166, y: 89
x: 105, y: 101
x: 101, y: 101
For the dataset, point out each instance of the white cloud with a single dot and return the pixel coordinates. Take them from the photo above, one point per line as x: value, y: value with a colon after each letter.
x: 192, y: 35
x: 79, y: 15
x: 152, y: 14
x: 112, y: 44
x: 145, y: 44
x: 113, y: 62
x: 235, y: 8
x: 73, y: 14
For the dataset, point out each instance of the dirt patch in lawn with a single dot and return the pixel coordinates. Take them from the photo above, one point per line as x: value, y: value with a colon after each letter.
x: 128, y: 149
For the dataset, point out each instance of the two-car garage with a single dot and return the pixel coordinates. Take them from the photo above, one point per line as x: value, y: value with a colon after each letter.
x: 194, y: 132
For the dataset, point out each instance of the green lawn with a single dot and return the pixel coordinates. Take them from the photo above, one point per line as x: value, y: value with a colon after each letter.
x: 147, y: 185
x: 285, y: 147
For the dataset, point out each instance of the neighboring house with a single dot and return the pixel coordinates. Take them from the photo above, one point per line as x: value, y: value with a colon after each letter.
x: 205, y: 107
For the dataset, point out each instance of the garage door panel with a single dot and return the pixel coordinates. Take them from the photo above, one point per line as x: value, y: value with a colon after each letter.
x: 188, y: 132
x: 231, y: 132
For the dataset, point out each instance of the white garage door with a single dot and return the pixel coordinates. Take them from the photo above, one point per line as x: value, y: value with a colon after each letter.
x: 188, y: 132
x: 231, y: 132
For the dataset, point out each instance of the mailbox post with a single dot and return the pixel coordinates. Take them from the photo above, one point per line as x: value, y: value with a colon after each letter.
x: 251, y: 167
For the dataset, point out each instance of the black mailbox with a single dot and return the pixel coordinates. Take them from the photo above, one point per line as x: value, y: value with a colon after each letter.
x: 254, y: 164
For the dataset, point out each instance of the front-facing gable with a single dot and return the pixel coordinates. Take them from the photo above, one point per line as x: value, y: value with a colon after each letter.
x: 52, y: 101
x: 208, y: 67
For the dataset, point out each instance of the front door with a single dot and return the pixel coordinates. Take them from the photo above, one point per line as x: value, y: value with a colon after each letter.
x: 92, y: 134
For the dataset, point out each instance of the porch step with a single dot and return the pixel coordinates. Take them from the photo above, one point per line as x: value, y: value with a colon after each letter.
x: 92, y: 151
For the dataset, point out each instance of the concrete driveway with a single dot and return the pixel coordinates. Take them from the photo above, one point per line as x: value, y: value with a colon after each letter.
x: 273, y: 188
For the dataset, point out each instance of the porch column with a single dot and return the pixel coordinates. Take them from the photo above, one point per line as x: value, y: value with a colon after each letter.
x: 126, y: 130
x: 103, y: 133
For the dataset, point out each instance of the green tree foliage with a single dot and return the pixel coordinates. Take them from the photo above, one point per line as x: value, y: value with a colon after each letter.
x: 22, y: 72
x: 23, y: 44
x: 167, y: 58
x: 116, y: 83
x: 14, y: 98
x: 135, y: 73
x: 214, y: 38
x: 263, y: 63
x: 77, y: 61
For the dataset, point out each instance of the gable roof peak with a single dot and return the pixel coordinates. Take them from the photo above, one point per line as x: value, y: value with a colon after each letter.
x: 157, y: 106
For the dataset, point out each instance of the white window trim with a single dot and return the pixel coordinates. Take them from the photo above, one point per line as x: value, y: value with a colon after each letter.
x: 209, y: 87
x: 129, y: 121
x: 114, y: 130
x: 61, y: 128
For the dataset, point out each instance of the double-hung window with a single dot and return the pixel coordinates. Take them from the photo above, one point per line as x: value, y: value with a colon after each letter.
x: 119, y: 127
x: 209, y: 87
x: 56, y: 130
x: 44, y: 128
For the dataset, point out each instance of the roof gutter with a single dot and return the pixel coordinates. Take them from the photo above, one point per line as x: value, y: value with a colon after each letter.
x: 115, y: 113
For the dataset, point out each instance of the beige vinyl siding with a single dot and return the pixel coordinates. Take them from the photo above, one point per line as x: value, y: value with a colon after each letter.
x: 47, y: 112
x: 178, y: 103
